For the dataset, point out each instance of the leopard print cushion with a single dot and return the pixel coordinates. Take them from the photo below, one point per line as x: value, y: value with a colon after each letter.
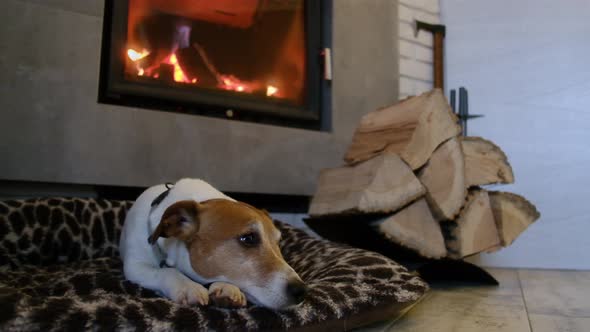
x: 59, y: 230
x: 60, y: 270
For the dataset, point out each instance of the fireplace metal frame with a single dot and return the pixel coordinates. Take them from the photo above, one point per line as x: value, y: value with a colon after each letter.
x: 314, y: 114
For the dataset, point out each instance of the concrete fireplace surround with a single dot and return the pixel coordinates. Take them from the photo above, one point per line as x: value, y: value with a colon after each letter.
x: 53, y: 130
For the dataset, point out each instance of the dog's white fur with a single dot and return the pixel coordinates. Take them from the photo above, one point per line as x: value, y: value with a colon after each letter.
x: 179, y: 281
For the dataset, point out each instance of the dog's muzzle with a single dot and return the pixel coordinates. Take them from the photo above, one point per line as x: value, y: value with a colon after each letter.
x: 296, y: 291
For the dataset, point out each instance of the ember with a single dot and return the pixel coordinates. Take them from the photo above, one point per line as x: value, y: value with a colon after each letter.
x: 226, y: 82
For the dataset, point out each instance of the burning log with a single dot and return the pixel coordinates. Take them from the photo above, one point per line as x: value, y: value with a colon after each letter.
x: 166, y: 72
x: 382, y: 184
x: 412, y: 128
x: 444, y: 179
x: 195, y: 68
x: 152, y: 60
x: 485, y: 162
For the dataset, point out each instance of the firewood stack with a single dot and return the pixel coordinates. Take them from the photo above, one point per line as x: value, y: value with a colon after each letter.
x: 409, y: 163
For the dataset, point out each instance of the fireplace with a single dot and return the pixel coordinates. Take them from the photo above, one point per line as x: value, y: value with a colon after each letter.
x: 253, y: 60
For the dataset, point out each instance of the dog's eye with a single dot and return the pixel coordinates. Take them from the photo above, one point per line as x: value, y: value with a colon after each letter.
x: 249, y: 239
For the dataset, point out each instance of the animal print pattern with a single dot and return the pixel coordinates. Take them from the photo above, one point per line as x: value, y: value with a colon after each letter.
x: 59, y: 230
x: 60, y: 270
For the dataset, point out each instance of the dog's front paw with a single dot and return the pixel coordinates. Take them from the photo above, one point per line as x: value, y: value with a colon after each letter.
x: 226, y: 295
x: 189, y: 292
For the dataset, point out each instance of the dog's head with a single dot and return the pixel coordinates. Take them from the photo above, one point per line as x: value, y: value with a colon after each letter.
x: 237, y: 243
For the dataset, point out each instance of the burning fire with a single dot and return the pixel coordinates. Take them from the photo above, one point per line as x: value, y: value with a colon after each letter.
x: 271, y: 90
x: 227, y: 82
x: 179, y: 75
x: 230, y: 82
x: 134, y: 55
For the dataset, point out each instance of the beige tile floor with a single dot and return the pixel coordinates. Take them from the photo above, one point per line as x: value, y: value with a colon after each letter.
x: 526, y: 300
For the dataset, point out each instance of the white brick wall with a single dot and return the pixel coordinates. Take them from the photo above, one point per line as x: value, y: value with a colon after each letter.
x: 415, y: 65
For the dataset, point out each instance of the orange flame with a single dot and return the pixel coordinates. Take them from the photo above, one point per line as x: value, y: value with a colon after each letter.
x: 271, y: 90
x: 229, y: 82
x: 134, y: 55
x: 179, y: 75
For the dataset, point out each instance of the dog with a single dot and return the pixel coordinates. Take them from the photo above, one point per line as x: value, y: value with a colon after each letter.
x: 178, y: 239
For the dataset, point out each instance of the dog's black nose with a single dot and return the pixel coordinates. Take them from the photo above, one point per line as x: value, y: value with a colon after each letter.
x: 296, y: 290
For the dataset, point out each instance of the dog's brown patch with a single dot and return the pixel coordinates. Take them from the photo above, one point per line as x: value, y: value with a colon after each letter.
x: 213, y: 239
x: 180, y: 220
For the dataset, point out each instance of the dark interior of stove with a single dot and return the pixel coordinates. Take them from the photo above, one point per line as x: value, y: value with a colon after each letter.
x: 253, y: 60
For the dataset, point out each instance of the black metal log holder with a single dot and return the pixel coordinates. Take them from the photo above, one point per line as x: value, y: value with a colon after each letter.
x: 357, y: 230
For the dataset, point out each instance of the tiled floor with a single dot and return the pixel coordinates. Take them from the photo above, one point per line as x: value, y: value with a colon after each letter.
x: 526, y: 300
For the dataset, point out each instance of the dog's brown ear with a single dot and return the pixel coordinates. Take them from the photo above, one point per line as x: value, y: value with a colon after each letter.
x: 179, y: 220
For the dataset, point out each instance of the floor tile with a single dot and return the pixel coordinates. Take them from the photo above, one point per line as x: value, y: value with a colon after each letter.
x: 469, y: 308
x: 547, y: 300
x: 386, y: 325
x: 549, y: 323
x: 557, y: 293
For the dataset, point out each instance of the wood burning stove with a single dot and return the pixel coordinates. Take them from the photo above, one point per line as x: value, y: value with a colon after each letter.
x: 252, y: 60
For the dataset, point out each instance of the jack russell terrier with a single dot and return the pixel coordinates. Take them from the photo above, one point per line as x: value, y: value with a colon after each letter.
x: 175, y: 240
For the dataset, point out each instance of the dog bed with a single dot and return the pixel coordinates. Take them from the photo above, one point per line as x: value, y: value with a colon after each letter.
x: 60, y: 270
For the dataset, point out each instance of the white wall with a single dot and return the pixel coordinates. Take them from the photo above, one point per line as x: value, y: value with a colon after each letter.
x: 415, y: 51
x: 526, y: 65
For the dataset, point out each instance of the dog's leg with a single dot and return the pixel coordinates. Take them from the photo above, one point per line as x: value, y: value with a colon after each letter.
x: 173, y: 284
x: 226, y: 295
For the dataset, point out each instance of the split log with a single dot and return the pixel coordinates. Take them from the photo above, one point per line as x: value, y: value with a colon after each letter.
x: 444, y: 180
x: 485, y: 162
x: 513, y: 214
x: 474, y: 230
x: 412, y: 128
x: 414, y: 227
x: 382, y: 184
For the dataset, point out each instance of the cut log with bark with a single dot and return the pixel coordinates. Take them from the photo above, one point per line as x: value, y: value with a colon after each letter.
x: 444, y: 180
x: 379, y: 185
x: 412, y: 128
x: 474, y: 230
x: 414, y: 227
x: 513, y: 214
x: 485, y: 162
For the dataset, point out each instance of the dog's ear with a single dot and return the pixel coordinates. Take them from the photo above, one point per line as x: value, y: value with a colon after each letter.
x: 179, y: 220
x: 265, y: 212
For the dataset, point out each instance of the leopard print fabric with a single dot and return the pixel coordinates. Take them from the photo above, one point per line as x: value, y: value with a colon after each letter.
x: 59, y: 230
x: 66, y: 275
